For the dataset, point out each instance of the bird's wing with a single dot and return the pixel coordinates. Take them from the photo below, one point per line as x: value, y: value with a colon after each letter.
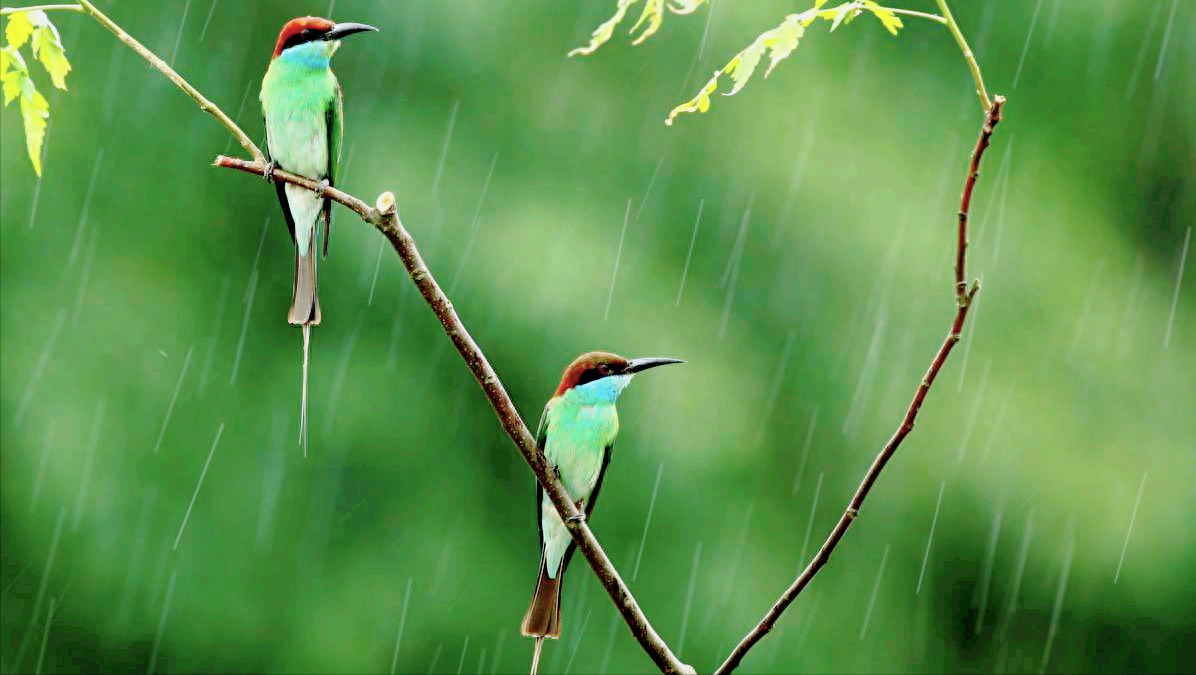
x: 541, y: 440
x: 280, y: 188
x: 334, y: 124
x: 598, y: 484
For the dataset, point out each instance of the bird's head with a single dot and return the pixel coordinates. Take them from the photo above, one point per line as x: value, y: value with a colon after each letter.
x: 602, y: 376
x: 312, y: 38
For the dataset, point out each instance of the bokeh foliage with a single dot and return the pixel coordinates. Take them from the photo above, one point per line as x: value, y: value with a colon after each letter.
x: 850, y: 159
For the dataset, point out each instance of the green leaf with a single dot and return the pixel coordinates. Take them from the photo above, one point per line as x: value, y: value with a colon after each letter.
x: 47, y: 47
x: 891, y: 21
x: 654, y: 14
x: 689, y: 6
x: 35, y: 110
x: 605, y: 30
x: 651, y: 19
x: 20, y: 27
x: 12, y: 69
x: 699, y: 103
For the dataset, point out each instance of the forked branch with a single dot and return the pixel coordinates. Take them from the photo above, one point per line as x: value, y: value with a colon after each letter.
x: 964, y: 297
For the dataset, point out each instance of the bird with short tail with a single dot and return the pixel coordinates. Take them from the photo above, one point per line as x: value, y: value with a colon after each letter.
x: 576, y: 433
x: 302, y: 103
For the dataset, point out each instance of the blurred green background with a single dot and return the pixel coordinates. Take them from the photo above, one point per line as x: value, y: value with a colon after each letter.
x: 1071, y: 394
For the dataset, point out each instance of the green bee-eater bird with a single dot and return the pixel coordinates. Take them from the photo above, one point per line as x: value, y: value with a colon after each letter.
x: 576, y: 433
x: 303, y: 107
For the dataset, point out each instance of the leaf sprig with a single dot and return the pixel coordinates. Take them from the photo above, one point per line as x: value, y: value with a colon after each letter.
x: 778, y: 43
x: 35, y: 28
x: 653, y: 16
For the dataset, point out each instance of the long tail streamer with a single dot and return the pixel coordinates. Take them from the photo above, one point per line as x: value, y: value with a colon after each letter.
x: 303, y: 400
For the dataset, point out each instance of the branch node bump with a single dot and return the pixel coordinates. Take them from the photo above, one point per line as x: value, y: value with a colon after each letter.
x: 385, y: 203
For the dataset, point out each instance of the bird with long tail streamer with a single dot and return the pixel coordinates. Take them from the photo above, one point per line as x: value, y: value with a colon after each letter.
x: 304, y: 111
x: 576, y: 433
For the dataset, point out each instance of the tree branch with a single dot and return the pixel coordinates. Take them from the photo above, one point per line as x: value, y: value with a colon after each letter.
x: 968, y: 56
x: 964, y: 297
x: 204, y: 104
x: 384, y: 216
x: 43, y: 8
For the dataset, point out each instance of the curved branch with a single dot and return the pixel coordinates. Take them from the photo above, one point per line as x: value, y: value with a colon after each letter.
x: 968, y: 56
x: 204, y: 104
x: 964, y: 298
x: 385, y: 217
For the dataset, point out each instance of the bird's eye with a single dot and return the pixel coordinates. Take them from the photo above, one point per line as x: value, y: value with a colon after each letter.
x: 604, y: 369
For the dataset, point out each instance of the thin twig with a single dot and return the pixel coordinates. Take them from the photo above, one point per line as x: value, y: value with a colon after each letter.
x: 992, y: 117
x: 204, y: 104
x: 384, y: 216
x: 42, y: 8
x: 967, y: 55
x: 921, y: 15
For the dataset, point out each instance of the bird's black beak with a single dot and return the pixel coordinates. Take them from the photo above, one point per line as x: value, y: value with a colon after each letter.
x: 341, y: 30
x: 636, y: 365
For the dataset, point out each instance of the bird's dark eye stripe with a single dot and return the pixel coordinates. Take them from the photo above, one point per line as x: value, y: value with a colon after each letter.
x: 590, y: 375
x: 303, y: 36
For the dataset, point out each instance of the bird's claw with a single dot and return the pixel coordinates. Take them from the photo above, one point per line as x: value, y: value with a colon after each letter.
x: 322, y: 188
x: 579, y: 518
x: 268, y: 172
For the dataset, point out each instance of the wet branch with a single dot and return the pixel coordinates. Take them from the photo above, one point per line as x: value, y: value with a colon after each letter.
x: 963, y: 297
x: 204, y: 104
x: 384, y: 216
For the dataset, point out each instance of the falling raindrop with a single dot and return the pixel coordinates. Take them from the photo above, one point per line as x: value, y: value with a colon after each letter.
x: 930, y: 537
x: 1054, y: 627
x: 435, y: 658
x: 577, y: 642
x: 41, y: 467
x: 41, y: 588
x: 88, y: 464
x: 644, y: 539
x: 690, y: 254
x: 208, y: 20
x: 162, y: 622
x: 464, y: 648
x: 618, y: 255
x: 174, y: 53
x: 875, y: 589
x: 1022, y: 555
x: 174, y: 397
x: 810, y: 523
x: 989, y: 559
x: 1026, y: 47
x: 739, y: 546
x: 974, y: 415
x: 689, y: 597
x: 91, y: 186
x: 775, y: 389
x: 1129, y: 530
x: 195, y: 494
x: 805, y: 451
x: 731, y: 275
x: 651, y: 182
x: 1183, y: 256
x: 41, y: 654
x: 448, y: 137
x: 394, y: 660
x: 1158, y: 68
x: 59, y: 320
x: 473, y: 227
x: 225, y: 286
